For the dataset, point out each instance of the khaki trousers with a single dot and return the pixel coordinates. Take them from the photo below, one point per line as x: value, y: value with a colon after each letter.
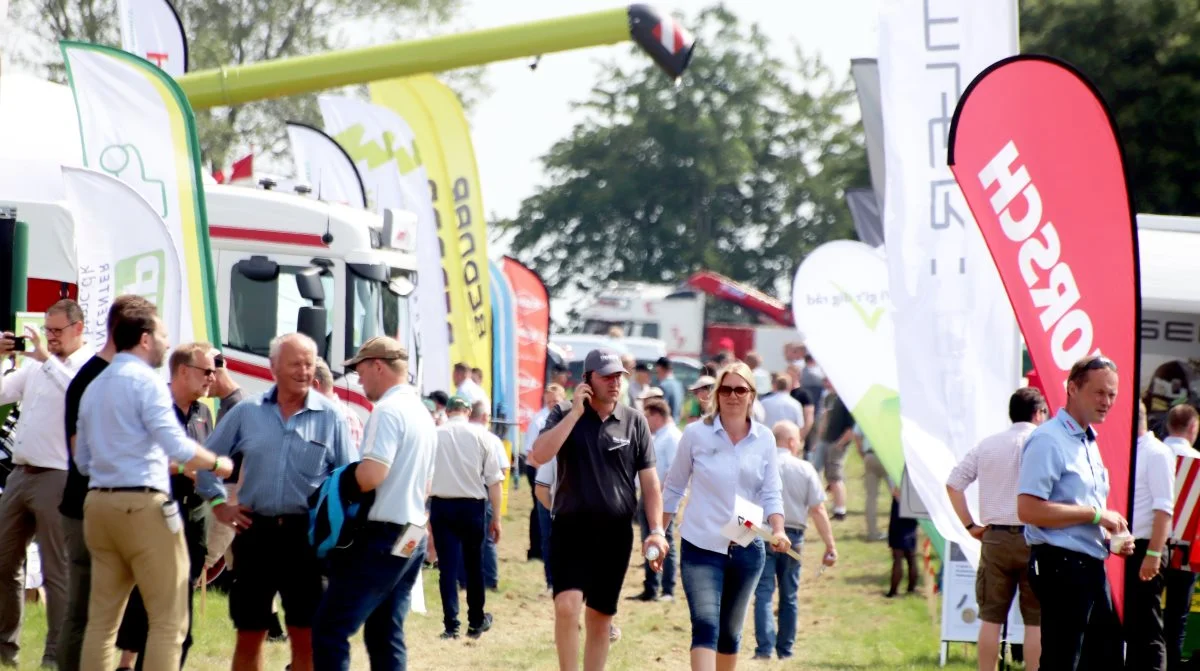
x: 131, y: 545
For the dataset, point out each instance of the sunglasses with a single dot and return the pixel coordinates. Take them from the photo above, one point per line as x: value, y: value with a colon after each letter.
x: 208, y: 372
x: 726, y: 390
x: 1100, y: 362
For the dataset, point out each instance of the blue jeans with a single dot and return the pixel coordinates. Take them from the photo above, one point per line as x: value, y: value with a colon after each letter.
x: 666, y: 579
x: 718, y: 588
x: 367, y: 584
x: 544, y: 522
x: 786, y: 571
x: 458, y: 536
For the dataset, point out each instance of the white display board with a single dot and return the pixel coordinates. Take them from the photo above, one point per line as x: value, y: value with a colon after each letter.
x: 960, y: 610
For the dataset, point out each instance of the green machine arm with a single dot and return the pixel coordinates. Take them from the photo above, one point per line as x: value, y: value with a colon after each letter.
x: 663, y: 39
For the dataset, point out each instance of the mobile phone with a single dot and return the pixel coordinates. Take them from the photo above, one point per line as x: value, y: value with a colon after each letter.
x: 18, y: 343
x: 219, y: 360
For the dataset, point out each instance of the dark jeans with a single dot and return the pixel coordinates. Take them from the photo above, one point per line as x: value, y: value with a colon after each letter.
x: 545, y: 521
x: 491, y: 561
x: 782, y: 569
x: 654, y: 580
x: 1180, y: 586
x: 718, y: 588
x: 535, y: 530
x: 1079, y: 629
x: 1146, y: 647
x: 135, y: 625
x: 367, y: 585
x: 460, y: 527
x: 79, y: 587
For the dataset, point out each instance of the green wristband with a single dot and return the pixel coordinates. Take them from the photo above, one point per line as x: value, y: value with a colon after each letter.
x: 1152, y: 553
x: 216, y: 502
x: 1096, y: 519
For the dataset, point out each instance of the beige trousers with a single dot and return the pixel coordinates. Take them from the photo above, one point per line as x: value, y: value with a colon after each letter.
x: 132, y: 545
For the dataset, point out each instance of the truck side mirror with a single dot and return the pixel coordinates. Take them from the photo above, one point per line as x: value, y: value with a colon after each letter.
x: 311, y: 322
x: 308, y: 283
x: 258, y: 269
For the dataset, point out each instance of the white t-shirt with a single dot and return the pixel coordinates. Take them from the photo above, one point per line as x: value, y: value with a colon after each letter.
x: 474, y: 393
x: 547, y: 476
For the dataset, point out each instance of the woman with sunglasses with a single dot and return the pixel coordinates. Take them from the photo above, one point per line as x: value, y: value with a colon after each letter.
x: 725, y: 456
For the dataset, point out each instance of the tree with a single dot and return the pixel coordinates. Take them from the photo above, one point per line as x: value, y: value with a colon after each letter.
x: 1143, y: 56
x: 739, y: 170
x: 236, y: 32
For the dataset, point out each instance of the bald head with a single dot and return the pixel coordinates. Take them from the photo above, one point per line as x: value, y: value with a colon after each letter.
x: 787, y: 436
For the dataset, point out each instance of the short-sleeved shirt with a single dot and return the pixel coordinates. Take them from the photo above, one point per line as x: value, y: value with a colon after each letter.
x: 802, y: 489
x: 599, y: 462
x: 197, y: 423
x: 465, y: 464
x: 76, y: 488
x: 779, y: 406
x: 401, y: 435
x: 838, y: 421
x: 547, y: 476
x: 802, y: 397
x: 1062, y: 464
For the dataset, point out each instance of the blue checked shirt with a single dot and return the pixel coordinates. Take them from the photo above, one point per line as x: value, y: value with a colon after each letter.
x: 283, y: 462
x: 1061, y: 463
x: 127, y: 430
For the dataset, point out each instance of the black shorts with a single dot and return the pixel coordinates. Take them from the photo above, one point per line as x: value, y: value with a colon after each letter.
x: 274, y: 557
x: 591, y: 555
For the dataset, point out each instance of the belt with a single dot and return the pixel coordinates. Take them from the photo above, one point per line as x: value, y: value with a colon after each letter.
x: 279, y: 520
x: 1010, y: 528
x: 115, y: 490
x: 36, y: 470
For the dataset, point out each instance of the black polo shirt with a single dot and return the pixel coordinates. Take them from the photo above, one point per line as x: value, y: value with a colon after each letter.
x: 838, y: 421
x: 76, y: 488
x: 197, y: 424
x: 599, y: 462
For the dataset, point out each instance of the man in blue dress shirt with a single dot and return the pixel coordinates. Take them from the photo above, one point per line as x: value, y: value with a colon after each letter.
x: 289, y: 440
x: 1062, y: 496
x: 127, y: 435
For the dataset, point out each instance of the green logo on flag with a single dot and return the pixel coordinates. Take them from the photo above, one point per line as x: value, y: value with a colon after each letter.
x: 143, y: 275
x: 119, y: 159
x: 375, y: 155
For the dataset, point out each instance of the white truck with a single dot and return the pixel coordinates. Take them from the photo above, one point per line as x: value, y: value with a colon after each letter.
x: 282, y: 261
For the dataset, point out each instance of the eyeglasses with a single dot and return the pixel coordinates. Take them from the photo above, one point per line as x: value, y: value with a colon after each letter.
x: 57, y: 332
x: 208, y: 372
x: 726, y: 390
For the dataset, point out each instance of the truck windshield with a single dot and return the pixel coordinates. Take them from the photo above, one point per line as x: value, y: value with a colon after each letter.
x: 377, y: 308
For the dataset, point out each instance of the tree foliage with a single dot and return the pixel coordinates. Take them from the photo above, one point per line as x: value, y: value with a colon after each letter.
x: 740, y: 169
x: 1143, y: 55
x: 237, y: 32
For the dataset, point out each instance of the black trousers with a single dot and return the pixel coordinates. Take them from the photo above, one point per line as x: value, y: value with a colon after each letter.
x: 1079, y: 626
x: 459, y: 526
x: 1180, y: 586
x: 1146, y: 645
x: 535, y: 530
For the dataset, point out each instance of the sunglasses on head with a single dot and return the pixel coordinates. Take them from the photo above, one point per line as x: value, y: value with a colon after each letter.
x: 1099, y: 362
x: 726, y: 390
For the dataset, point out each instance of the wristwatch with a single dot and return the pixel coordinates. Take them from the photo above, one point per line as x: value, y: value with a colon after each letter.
x: 217, y: 464
x: 657, y: 532
x: 972, y: 525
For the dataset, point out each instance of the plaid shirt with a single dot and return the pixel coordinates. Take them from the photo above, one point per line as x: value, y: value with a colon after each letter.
x: 996, y: 463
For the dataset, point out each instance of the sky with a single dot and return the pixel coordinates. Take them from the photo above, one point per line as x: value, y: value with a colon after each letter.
x: 528, y: 111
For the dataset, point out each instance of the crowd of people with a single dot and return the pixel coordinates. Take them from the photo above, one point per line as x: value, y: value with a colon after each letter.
x: 131, y: 488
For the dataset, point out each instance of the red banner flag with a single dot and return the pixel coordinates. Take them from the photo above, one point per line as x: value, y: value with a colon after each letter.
x: 1036, y: 153
x: 533, y: 332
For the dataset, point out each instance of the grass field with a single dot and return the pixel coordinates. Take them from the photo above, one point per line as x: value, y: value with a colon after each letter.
x: 845, y: 623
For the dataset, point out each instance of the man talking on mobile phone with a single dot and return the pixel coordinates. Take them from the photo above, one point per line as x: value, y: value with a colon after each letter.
x: 601, y: 446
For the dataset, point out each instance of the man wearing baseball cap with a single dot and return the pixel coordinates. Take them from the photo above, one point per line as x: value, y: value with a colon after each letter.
x: 601, y: 446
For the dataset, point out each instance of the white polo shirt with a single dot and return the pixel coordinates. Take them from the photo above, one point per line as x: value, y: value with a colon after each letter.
x: 465, y: 465
x: 401, y: 434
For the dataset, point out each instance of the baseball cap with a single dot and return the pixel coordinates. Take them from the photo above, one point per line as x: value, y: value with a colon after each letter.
x: 458, y: 404
x: 702, y: 382
x: 650, y: 392
x: 379, y: 347
x: 603, y: 362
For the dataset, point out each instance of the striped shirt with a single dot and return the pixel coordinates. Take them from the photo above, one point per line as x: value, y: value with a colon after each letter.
x: 283, y: 461
x: 996, y: 463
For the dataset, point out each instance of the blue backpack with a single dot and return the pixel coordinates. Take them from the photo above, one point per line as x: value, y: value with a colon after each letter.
x: 335, y: 510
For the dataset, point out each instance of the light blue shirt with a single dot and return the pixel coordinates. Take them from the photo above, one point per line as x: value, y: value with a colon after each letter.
x: 127, y: 431
x: 673, y: 394
x: 401, y: 435
x: 1061, y: 463
x: 779, y: 406
x: 707, y: 459
x: 666, y: 444
x: 284, y: 461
